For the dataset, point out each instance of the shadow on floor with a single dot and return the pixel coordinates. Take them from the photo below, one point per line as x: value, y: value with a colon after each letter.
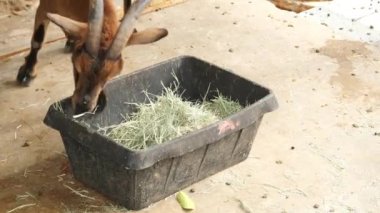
x: 46, y: 188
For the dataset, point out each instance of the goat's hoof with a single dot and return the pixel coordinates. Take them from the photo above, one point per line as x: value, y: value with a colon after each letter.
x: 23, y: 77
x: 69, y: 46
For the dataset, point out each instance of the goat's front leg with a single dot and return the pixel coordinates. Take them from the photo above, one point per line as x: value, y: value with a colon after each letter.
x: 27, y: 71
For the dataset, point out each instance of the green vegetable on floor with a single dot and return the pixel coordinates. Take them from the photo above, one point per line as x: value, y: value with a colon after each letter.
x: 185, y: 201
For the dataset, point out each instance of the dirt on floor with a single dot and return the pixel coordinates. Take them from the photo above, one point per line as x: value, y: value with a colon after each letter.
x: 16, y: 7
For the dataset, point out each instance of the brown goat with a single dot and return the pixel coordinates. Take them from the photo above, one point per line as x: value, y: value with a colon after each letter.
x: 99, y: 39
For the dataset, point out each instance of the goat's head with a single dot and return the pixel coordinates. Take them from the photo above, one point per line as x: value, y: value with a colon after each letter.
x: 97, y: 54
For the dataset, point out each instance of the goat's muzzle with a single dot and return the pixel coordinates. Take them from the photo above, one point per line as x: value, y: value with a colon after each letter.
x: 87, y: 104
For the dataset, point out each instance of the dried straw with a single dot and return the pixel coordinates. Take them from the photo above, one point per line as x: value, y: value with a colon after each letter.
x: 222, y: 106
x: 166, y: 118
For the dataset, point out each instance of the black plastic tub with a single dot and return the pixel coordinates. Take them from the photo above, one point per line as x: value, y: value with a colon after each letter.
x: 136, y: 179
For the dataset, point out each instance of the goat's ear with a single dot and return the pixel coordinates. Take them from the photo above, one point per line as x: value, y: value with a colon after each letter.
x: 147, y: 36
x: 77, y: 30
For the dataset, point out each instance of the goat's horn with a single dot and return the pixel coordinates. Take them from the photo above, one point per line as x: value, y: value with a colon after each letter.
x: 95, y: 25
x: 126, y: 28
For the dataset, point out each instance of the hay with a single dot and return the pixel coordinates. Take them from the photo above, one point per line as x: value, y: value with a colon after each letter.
x: 21, y: 207
x: 222, y: 106
x: 166, y: 118
x: 58, y: 106
x: 160, y: 121
x: 79, y: 193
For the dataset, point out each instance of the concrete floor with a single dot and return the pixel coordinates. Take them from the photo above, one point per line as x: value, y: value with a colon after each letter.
x: 327, y: 87
x: 355, y: 19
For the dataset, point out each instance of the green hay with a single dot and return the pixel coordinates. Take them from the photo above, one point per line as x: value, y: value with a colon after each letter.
x: 222, y: 106
x: 166, y: 118
x: 58, y: 106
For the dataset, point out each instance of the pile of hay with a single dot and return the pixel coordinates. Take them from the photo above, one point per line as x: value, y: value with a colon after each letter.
x: 166, y: 118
